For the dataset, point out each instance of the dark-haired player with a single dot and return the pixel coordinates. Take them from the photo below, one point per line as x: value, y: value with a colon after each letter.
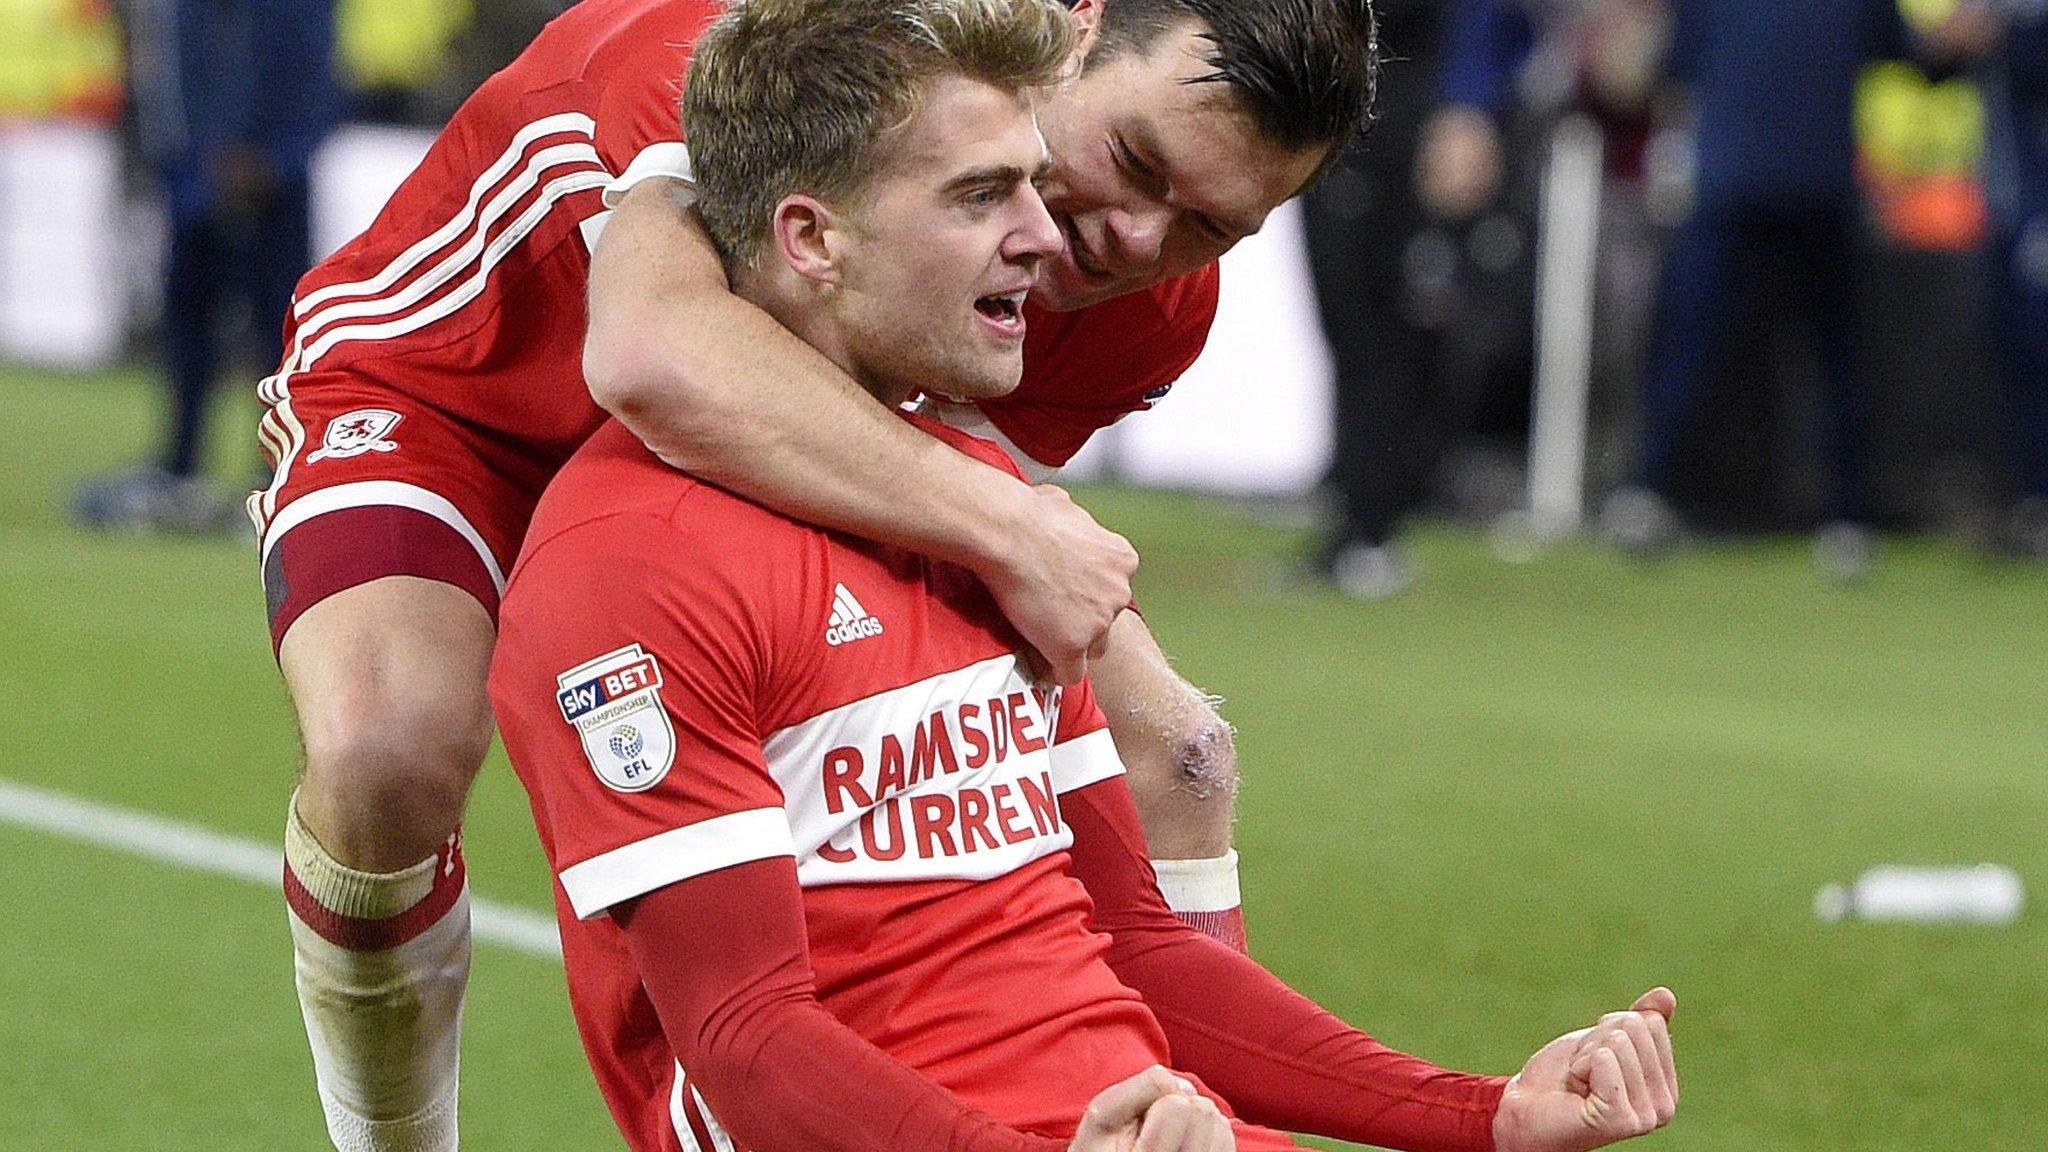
x: 435, y: 378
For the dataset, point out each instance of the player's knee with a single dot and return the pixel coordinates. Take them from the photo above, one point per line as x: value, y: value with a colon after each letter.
x: 391, y: 767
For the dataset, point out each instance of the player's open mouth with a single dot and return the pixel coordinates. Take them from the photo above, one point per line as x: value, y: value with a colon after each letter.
x: 1004, y: 312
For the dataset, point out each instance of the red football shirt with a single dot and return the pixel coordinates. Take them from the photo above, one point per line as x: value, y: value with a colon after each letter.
x: 688, y: 681
x: 467, y: 293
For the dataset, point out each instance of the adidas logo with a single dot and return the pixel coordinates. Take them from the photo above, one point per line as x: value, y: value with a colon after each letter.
x: 849, y: 621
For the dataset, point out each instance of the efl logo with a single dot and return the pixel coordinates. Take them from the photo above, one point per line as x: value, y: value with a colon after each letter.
x: 614, y: 703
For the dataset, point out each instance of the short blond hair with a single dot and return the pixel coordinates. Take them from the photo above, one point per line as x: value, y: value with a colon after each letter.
x: 789, y: 96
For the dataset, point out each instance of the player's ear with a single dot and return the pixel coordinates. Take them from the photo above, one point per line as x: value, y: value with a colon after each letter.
x: 808, y: 237
x: 1088, y: 22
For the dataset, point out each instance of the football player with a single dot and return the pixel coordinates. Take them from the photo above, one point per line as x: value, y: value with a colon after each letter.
x: 834, y: 874
x: 435, y: 378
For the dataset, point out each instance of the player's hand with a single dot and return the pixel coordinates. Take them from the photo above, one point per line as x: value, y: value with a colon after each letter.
x: 1595, y: 1086
x: 1061, y: 582
x: 1154, y: 1111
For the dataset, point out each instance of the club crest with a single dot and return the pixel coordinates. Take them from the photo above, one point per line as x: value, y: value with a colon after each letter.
x: 354, y: 433
x: 614, y: 703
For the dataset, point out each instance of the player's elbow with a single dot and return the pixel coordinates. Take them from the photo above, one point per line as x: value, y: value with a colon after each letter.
x: 732, y: 1035
x: 1205, y: 757
x: 623, y: 375
x: 649, y: 384
x: 656, y: 321
x: 1190, y: 760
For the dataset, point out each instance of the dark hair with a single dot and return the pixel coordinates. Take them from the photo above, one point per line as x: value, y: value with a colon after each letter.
x: 1306, y: 70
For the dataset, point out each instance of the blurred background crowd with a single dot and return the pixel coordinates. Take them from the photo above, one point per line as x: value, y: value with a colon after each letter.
x: 1645, y: 268
x: 1766, y: 265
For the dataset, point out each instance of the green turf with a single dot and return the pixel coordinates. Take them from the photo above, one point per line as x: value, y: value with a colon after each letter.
x: 1473, y: 816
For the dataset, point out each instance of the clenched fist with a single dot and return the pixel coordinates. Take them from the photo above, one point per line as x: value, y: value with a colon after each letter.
x: 1596, y: 1086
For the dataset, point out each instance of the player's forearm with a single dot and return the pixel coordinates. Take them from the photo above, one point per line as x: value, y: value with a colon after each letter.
x: 1285, y: 1062
x: 716, y: 387
x: 779, y: 1071
x: 805, y: 1083
x: 1276, y: 1056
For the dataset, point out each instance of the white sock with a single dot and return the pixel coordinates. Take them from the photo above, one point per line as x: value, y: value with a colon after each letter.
x: 1204, y: 893
x: 382, y: 960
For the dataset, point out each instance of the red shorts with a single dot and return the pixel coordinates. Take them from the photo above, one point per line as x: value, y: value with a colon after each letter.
x: 370, y: 483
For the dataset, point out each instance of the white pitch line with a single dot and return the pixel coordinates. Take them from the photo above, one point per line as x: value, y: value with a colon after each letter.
x: 204, y: 850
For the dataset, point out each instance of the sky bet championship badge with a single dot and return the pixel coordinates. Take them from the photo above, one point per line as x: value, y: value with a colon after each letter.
x: 613, y: 703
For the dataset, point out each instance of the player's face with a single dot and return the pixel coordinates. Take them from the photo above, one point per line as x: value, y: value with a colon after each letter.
x: 949, y: 240
x: 1152, y: 176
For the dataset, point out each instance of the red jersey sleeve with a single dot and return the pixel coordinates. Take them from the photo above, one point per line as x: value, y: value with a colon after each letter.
x: 1082, y: 751
x: 627, y: 703
x: 639, y: 129
x: 1085, y: 370
x: 1281, y: 1060
x: 781, y: 1072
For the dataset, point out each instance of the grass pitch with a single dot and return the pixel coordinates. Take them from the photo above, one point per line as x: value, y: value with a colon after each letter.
x: 1472, y: 817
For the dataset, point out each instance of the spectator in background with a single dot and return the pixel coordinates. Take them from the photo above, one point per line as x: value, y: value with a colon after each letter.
x: 2015, y: 84
x: 1384, y: 229
x: 230, y: 99
x: 1362, y: 224
x: 416, y: 61
x: 1603, y: 58
x: 1388, y: 231
x: 496, y: 32
x: 1773, y: 86
x: 1516, y: 67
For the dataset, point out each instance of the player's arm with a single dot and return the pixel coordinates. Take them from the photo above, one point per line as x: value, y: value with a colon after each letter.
x: 782, y: 1073
x: 716, y: 387
x: 1283, y: 1061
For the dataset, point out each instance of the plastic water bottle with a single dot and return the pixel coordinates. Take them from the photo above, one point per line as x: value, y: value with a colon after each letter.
x: 1984, y: 894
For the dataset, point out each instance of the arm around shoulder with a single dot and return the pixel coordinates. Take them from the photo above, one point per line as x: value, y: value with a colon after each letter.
x: 657, y: 289
x: 713, y: 385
